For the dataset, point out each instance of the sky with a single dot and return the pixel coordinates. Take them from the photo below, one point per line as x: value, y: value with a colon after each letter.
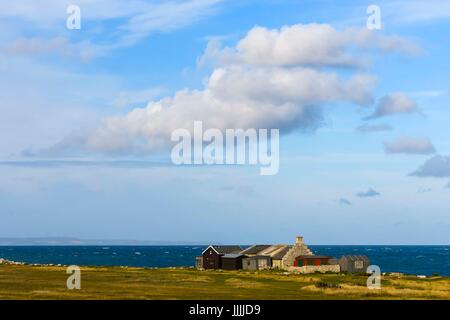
x: 87, y: 114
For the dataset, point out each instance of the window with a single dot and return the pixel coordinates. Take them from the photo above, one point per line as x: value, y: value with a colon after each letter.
x: 359, y: 264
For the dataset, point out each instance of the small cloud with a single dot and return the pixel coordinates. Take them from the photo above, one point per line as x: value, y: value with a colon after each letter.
x: 245, y: 190
x: 57, y: 46
x: 367, y: 128
x: 227, y: 188
x: 128, y: 164
x: 345, y: 202
x: 403, y: 223
x: 437, y: 166
x: 393, y: 104
x: 432, y: 93
x: 424, y: 190
x: 410, y: 146
x: 368, y: 194
x: 132, y: 98
x: 70, y: 145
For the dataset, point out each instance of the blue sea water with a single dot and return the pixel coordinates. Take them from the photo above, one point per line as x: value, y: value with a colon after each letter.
x: 426, y: 260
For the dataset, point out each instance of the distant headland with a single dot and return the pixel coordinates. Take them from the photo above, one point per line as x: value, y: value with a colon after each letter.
x: 68, y: 241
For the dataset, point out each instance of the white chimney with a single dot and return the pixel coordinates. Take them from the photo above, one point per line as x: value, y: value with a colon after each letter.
x: 299, y: 240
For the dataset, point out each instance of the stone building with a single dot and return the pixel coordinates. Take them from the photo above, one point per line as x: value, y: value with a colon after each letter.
x: 263, y: 256
x: 281, y: 255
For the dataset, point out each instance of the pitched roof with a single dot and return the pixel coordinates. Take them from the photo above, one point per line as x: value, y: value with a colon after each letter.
x: 355, y: 257
x: 310, y: 256
x: 280, y: 254
x: 232, y: 255
x: 258, y: 257
x: 255, y: 249
x: 224, y: 249
x: 274, y: 249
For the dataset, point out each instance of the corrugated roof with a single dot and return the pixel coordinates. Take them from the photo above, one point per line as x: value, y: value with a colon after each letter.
x: 255, y: 249
x: 280, y: 254
x: 258, y: 257
x: 355, y: 257
x: 310, y: 256
x: 274, y: 249
x: 226, y: 249
x: 232, y: 255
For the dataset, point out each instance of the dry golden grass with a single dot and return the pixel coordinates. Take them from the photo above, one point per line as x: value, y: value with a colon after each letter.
x: 31, y: 282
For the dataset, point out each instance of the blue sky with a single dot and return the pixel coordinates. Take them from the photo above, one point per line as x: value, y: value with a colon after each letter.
x: 79, y: 149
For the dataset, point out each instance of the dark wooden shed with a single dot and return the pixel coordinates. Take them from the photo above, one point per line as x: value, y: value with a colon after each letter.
x: 212, y: 256
x: 354, y: 263
x: 232, y: 261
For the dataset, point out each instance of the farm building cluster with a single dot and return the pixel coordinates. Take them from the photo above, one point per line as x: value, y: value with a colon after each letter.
x: 297, y: 258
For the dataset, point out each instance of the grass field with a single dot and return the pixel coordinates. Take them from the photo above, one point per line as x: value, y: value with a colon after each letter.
x: 36, y: 282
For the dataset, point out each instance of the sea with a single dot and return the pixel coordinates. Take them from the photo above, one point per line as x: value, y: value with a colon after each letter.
x: 417, y: 260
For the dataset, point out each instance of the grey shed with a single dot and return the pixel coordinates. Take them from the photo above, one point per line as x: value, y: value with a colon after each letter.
x: 354, y: 263
x: 199, y: 262
x: 256, y: 263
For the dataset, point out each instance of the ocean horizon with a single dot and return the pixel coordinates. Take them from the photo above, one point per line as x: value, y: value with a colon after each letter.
x: 408, y: 259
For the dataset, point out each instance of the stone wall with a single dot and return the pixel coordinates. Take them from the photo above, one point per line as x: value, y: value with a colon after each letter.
x: 298, y: 249
x: 311, y: 269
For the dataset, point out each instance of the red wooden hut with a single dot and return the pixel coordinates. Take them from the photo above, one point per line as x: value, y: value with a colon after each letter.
x: 311, y: 260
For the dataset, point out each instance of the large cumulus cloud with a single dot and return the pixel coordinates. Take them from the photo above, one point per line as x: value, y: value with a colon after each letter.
x: 270, y: 79
x: 305, y: 44
x: 234, y: 97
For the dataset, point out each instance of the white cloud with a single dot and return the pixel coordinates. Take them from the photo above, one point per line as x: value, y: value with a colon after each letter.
x: 167, y: 16
x: 410, y: 146
x: 60, y: 46
x: 245, y: 95
x: 394, y: 103
x: 368, y: 194
x: 437, y: 166
x: 424, y: 190
x: 129, y: 98
x: 367, y: 128
x: 413, y: 11
x: 304, y: 44
x: 432, y: 93
x: 132, y: 21
x: 42, y: 103
x: 234, y: 97
x: 344, y: 201
x: 50, y: 13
